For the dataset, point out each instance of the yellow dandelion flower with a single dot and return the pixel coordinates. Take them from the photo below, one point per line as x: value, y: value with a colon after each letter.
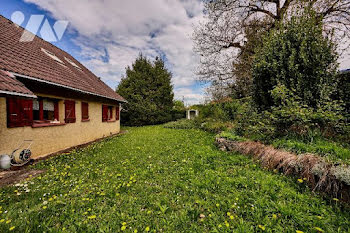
x: 2, y: 220
x: 262, y: 227
x: 8, y: 221
x: 11, y: 228
x: 147, y: 229
x: 274, y: 216
x: 297, y: 231
x: 231, y: 217
x: 124, y: 223
x: 228, y: 214
x: 300, y: 180
x: 318, y: 229
x: 92, y: 217
x: 135, y: 231
x: 44, y: 207
x: 123, y: 228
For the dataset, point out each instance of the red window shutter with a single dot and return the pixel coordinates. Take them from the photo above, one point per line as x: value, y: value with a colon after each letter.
x: 19, y: 112
x: 84, y: 111
x: 117, y: 113
x: 41, y: 110
x: 13, y: 113
x: 57, y: 115
x: 104, y: 113
x: 69, y: 111
x: 27, y: 112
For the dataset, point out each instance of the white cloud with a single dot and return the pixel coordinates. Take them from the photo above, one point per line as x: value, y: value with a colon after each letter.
x: 189, y: 95
x: 126, y: 28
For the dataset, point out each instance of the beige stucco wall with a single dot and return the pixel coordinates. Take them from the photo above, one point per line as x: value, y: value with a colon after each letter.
x: 52, y: 139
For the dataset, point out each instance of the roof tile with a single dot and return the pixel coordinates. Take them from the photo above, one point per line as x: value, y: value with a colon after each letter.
x: 27, y: 58
x: 9, y: 83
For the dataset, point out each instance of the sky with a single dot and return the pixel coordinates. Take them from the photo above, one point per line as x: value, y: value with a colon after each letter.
x: 107, y: 36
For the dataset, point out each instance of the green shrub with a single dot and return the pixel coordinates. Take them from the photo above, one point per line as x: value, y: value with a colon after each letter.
x: 297, y: 55
x: 290, y: 115
x: 181, y: 124
x: 214, y: 126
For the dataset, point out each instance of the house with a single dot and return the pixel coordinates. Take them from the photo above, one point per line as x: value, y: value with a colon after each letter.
x: 49, y: 97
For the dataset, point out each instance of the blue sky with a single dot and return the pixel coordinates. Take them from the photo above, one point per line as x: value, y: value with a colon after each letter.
x: 107, y: 35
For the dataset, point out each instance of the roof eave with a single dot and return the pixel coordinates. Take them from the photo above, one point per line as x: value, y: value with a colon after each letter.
x: 65, y: 86
x: 18, y: 94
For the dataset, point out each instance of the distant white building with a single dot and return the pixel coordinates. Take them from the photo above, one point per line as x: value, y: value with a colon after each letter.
x: 192, y: 113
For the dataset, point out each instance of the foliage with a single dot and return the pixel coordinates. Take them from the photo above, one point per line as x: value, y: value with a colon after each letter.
x: 230, y: 136
x: 334, y: 151
x: 148, y: 90
x: 232, y: 28
x: 179, y: 110
x: 181, y: 124
x: 223, y: 111
x: 209, y: 125
x: 291, y: 115
x: 343, y: 91
x: 213, y: 125
x: 178, y: 104
x: 156, y: 179
x: 297, y: 56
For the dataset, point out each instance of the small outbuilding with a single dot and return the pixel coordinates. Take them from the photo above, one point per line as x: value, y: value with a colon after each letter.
x: 191, y: 114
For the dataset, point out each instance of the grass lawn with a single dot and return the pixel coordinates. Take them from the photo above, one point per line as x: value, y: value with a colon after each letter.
x: 164, y: 180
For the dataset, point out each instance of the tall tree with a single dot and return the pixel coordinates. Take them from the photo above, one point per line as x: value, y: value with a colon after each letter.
x: 232, y: 27
x: 148, y: 90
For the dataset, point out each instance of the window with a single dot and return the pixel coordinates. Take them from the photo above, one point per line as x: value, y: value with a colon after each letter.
x: 107, y: 113
x: 52, y: 55
x: 19, y: 112
x: 84, y: 111
x: 45, y: 110
x: 117, y: 113
x: 73, y: 63
x: 69, y: 111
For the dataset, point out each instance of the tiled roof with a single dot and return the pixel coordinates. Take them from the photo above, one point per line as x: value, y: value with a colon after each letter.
x: 28, y: 59
x: 9, y: 84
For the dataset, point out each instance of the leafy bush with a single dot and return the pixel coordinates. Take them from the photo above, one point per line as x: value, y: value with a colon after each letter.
x: 290, y: 115
x: 297, y: 55
x: 233, y: 137
x: 214, y: 126
x: 181, y: 124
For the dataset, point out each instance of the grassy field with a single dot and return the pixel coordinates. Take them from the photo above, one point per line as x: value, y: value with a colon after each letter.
x: 164, y: 180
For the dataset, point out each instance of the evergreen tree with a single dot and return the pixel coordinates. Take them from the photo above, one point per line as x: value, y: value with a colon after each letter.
x: 148, y: 90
